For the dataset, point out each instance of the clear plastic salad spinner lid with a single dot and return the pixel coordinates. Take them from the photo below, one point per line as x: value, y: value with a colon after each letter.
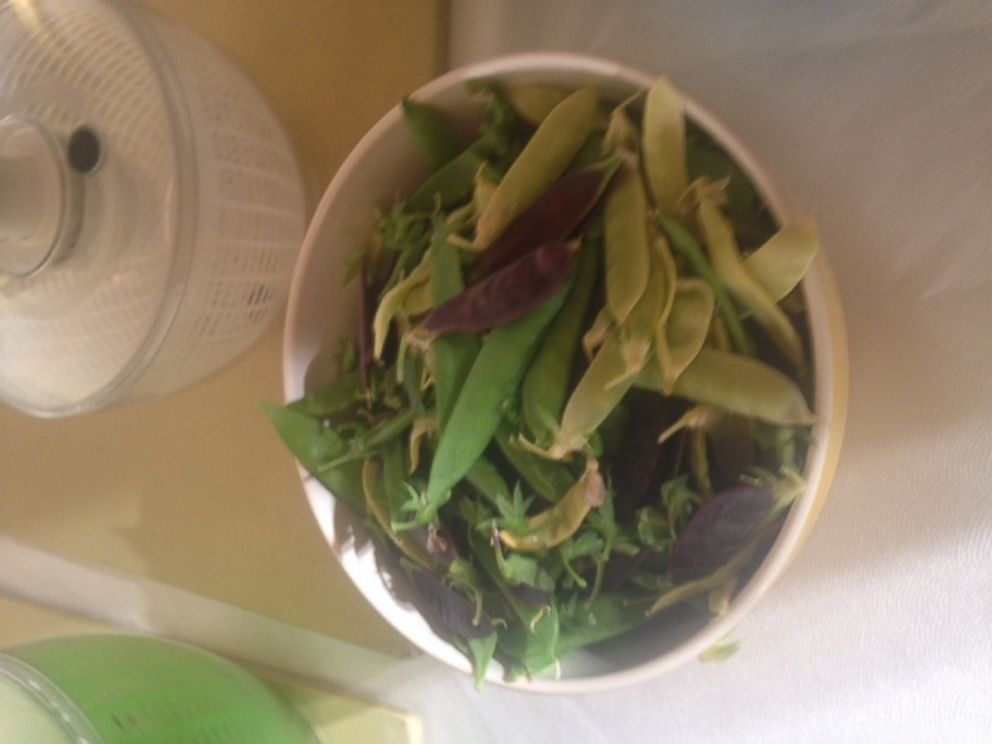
x: 97, y: 201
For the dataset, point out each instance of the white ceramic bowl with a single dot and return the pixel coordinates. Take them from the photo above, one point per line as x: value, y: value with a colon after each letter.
x: 385, y: 164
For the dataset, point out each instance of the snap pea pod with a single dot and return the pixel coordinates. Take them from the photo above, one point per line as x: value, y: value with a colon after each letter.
x: 552, y: 217
x: 450, y: 184
x: 392, y: 302
x: 782, y: 262
x: 534, y: 101
x: 454, y: 353
x: 637, y: 332
x: 685, y: 244
x: 545, y: 386
x: 550, y: 480
x: 333, y: 398
x: 431, y: 131
x: 628, y: 258
x: 737, y: 384
x: 543, y: 159
x: 485, y: 478
x: 556, y: 524
x: 719, y: 237
x: 678, y: 341
x: 492, y: 381
x: 663, y: 144
x: 312, y: 444
x: 598, y: 392
x: 507, y: 294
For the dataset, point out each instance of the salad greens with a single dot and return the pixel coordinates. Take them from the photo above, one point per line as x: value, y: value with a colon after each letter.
x: 575, y: 399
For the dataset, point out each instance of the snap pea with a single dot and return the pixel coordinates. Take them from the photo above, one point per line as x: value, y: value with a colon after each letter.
x: 719, y: 237
x: 333, y: 398
x: 419, y: 300
x: 534, y: 101
x: 782, y: 262
x: 739, y: 385
x: 663, y: 144
x: 678, y: 340
x: 492, y: 381
x: 431, y: 131
x: 685, y: 244
x: 550, y: 480
x: 545, y: 386
x: 637, y: 332
x: 378, y: 507
x: 485, y: 478
x: 450, y: 184
x: 454, y: 353
x: 600, y: 389
x: 628, y: 258
x: 392, y: 302
x: 313, y: 444
x: 621, y: 133
x: 556, y: 524
x: 543, y: 159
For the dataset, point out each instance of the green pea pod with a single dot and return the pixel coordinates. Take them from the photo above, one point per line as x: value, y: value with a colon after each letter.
x: 598, y: 392
x: 339, y: 395
x: 392, y: 302
x: 485, y: 478
x: 729, y: 267
x: 679, y: 339
x: 454, y: 352
x: 431, y: 131
x: 685, y: 244
x: 739, y: 385
x: 609, y: 615
x: 628, y: 257
x: 534, y: 101
x: 707, y: 161
x: 451, y: 184
x: 543, y: 159
x: 492, y: 381
x: 545, y: 385
x: 312, y: 444
x: 663, y: 145
x: 782, y: 262
x: 550, y: 480
x: 589, y: 153
x: 558, y: 523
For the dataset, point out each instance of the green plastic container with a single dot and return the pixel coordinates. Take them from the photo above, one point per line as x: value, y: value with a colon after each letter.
x: 113, y: 689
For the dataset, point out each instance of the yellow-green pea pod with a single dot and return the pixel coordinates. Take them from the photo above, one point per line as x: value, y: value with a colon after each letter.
x: 681, y: 336
x: 663, y: 145
x: 485, y: 187
x: 639, y: 330
x: 593, y: 338
x: 392, y: 302
x: 601, y: 388
x: 782, y: 262
x: 542, y: 394
x: 419, y: 299
x: 534, y: 101
x: 543, y: 159
x: 628, y: 257
x: 742, y: 285
x: 737, y: 384
x: 558, y: 523
x: 621, y: 132
x: 375, y: 503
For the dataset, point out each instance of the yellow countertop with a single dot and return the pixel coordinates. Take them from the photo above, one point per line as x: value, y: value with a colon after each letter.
x: 195, y: 490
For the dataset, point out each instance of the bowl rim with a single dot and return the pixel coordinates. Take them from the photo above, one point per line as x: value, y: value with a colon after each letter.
x: 828, y: 354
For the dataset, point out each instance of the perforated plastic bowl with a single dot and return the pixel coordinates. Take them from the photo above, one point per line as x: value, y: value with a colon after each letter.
x: 153, y: 207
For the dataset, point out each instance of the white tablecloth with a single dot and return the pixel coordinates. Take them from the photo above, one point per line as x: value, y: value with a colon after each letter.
x: 879, y: 118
